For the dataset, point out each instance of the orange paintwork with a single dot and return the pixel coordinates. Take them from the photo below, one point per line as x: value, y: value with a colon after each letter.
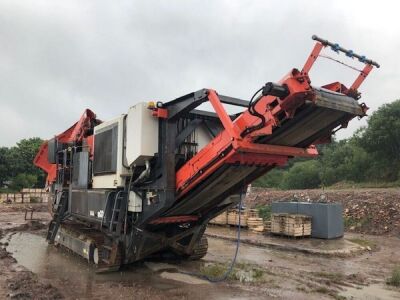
x: 230, y: 147
x: 76, y: 133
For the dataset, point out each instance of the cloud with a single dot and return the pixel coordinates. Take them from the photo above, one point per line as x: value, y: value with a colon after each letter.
x: 59, y: 57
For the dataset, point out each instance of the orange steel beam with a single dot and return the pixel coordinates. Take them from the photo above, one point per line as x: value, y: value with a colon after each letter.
x: 275, y: 149
x: 313, y: 57
x: 223, y: 115
x: 361, y: 77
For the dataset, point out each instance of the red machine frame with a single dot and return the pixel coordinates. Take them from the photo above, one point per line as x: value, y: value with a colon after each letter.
x: 244, y: 150
x: 76, y: 133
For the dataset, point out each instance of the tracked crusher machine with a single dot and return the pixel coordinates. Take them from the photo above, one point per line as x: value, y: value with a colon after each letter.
x: 147, y: 182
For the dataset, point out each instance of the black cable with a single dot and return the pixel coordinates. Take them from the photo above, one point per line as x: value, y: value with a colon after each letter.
x: 255, y: 94
x: 229, y: 270
x: 255, y: 113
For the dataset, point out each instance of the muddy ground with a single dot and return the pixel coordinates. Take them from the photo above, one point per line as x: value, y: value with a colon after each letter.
x: 30, y: 269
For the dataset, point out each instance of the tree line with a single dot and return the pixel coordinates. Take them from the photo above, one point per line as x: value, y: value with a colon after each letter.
x: 371, y: 155
x: 16, y: 165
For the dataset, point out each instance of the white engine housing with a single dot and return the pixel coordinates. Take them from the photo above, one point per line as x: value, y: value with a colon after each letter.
x: 141, y: 135
x: 113, y: 176
x: 128, y: 141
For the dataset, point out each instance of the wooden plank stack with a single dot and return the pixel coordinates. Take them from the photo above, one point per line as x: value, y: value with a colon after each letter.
x: 255, y: 224
x: 233, y: 218
x: 293, y: 225
x: 248, y: 218
x: 25, y: 196
x: 252, y: 213
x: 267, y: 226
x: 221, y: 219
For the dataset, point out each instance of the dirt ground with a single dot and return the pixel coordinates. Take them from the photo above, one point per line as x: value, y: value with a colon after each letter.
x: 30, y: 269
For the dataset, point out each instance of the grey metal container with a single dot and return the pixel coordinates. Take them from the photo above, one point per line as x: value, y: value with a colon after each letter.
x: 327, y: 218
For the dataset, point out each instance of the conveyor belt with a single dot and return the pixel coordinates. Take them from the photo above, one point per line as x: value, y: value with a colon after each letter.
x: 314, y: 120
x: 311, y: 121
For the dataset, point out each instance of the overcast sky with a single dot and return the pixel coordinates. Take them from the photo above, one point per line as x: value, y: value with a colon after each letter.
x: 59, y: 57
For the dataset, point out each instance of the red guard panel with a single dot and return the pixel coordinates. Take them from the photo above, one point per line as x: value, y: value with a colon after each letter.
x: 76, y: 133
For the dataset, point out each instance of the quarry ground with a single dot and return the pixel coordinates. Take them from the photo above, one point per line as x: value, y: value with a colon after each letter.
x: 30, y: 269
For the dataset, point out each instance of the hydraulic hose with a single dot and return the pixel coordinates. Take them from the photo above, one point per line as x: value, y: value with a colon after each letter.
x: 231, y: 266
x: 255, y: 113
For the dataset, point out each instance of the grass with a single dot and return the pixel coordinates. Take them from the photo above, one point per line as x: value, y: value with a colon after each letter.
x: 241, y: 272
x: 326, y: 291
x: 358, y: 223
x: 264, y: 211
x: 333, y: 277
x: 364, y: 243
x: 335, y: 186
x: 349, y: 222
x: 360, y: 185
x: 322, y: 290
x: 301, y: 289
x: 7, y: 190
x: 35, y: 199
x: 394, y: 279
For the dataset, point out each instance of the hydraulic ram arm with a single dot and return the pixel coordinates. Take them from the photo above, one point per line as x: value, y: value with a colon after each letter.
x: 249, y: 139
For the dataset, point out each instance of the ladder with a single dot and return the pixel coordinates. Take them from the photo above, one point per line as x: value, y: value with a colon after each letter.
x: 118, y: 214
x: 58, y: 217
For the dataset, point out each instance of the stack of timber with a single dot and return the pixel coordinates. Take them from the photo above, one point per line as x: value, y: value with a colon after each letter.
x: 25, y: 196
x: 248, y: 218
x: 293, y: 225
x: 255, y: 224
x: 267, y: 226
x: 252, y: 213
x: 233, y: 218
x: 221, y: 219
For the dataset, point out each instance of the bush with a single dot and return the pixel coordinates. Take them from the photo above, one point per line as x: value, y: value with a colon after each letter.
x: 272, y: 179
x: 264, y: 211
x: 381, y: 139
x: 303, y: 175
x: 23, y: 181
x: 394, y: 279
x: 343, y: 161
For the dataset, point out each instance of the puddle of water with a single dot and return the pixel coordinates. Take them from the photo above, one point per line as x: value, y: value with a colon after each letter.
x: 28, y: 249
x: 78, y: 279
x: 247, y: 253
x: 33, y: 252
